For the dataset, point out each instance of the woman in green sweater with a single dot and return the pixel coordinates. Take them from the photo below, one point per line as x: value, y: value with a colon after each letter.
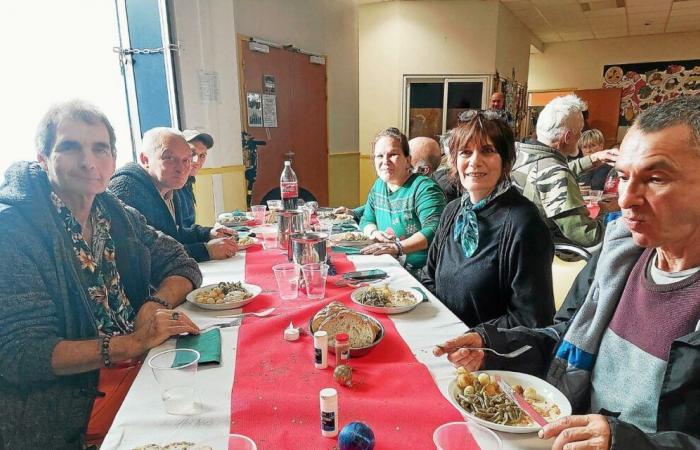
x: 403, y: 209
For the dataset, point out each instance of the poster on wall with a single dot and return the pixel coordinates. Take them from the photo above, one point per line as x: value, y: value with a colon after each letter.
x: 269, y: 85
x: 254, y: 103
x: 269, y: 104
x: 646, y: 84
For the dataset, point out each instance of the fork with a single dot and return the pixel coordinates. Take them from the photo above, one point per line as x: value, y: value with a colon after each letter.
x: 513, y: 354
x: 263, y: 313
x: 236, y: 319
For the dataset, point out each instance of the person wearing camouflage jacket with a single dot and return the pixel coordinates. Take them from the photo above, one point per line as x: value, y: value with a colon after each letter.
x: 543, y: 176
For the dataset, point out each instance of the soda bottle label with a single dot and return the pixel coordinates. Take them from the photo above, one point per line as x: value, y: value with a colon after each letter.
x: 289, y: 189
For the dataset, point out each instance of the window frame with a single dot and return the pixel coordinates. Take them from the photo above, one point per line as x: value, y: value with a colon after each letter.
x: 485, y: 79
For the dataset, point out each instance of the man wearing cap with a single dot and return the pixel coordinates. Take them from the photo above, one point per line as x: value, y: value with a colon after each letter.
x: 200, y: 143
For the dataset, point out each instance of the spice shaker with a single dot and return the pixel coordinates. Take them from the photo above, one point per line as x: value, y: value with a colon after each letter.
x: 342, y: 348
x: 321, y: 349
x: 329, y: 412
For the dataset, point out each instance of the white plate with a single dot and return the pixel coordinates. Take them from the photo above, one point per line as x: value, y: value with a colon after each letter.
x: 386, y: 310
x: 243, y: 247
x: 192, y: 296
x: 545, y: 390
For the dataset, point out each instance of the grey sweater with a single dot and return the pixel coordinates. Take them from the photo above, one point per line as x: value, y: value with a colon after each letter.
x: 42, y: 301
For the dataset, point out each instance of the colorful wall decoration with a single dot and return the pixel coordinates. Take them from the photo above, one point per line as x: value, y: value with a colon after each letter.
x: 645, y: 84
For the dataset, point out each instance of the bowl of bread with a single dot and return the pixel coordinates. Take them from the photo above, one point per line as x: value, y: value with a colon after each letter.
x: 365, y: 331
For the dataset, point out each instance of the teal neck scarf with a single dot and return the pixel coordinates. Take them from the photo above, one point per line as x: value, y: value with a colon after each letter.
x: 466, y: 226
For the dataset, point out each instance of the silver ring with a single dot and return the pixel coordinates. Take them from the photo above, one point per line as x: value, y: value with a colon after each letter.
x: 175, y: 315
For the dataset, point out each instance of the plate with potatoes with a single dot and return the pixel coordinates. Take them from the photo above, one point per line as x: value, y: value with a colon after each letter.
x: 225, y: 295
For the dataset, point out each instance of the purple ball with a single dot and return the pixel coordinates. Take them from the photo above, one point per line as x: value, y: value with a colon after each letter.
x: 356, y: 436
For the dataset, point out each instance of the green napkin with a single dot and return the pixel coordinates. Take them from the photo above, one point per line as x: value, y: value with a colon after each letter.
x: 207, y: 344
x: 346, y: 250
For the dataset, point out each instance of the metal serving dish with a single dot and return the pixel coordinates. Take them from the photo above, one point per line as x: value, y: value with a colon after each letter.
x: 355, y: 352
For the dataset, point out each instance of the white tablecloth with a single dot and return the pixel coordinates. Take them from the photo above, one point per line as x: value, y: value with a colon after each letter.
x: 142, y: 418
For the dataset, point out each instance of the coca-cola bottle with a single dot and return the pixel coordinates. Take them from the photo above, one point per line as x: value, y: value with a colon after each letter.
x: 289, y: 187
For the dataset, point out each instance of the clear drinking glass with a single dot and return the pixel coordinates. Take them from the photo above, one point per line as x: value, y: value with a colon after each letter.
x: 324, y: 228
x: 465, y: 435
x: 315, y: 279
x: 287, y: 276
x: 268, y: 236
x: 240, y: 442
x: 274, y: 205
x: 175, y: 371
x: 259, y: 213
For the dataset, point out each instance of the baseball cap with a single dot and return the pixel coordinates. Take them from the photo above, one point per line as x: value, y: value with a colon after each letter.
x: 206, y: 138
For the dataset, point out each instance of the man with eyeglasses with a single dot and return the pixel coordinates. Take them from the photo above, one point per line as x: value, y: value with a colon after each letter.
x: 200, y: 144
x: 164, y: 166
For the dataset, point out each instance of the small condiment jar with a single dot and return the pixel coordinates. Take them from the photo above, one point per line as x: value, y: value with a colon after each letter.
x: 321, y: 349
x: 342, y: 348
x: 329, y: 412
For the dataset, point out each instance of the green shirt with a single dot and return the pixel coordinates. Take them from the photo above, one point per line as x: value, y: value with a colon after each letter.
x: 413, y: 208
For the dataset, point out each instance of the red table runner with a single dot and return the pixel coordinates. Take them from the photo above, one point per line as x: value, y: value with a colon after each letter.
x: 275, y: 397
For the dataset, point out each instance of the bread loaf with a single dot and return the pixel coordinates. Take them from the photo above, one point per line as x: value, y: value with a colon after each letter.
x: 337, y: 318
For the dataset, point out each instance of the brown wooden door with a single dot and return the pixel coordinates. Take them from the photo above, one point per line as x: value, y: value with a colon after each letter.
x: 302, y: 131
x: 603, y: 111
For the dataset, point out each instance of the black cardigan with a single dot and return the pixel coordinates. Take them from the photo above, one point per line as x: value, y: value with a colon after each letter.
x: 132, y: 184
x: 508, y: 280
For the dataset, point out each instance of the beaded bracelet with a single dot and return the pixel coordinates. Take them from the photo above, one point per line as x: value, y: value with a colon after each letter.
x: 399, y: 247
x: 104, y: 350
x: 160, y: 301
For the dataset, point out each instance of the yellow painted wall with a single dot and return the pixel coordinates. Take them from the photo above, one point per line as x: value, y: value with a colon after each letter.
x: 233, y: 190
x: 367, y: 176
x: 580, y: 64
x: 343, y: 173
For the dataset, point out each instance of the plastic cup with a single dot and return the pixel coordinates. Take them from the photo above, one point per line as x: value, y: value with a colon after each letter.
x: 595, y: 196
x: 259, y: 213
x: 465, y: 436
x: 274, y: 205
x: 267, y: 235
x: 240, y: 442
x: 287, y: 276
x: 324, y: 228
x: 315, y: 279
x: 175, y: 372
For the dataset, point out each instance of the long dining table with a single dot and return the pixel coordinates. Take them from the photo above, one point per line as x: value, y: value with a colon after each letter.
x: 142, y: 419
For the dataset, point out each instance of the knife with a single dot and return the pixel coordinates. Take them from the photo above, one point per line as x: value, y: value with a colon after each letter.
x: 520, y: 401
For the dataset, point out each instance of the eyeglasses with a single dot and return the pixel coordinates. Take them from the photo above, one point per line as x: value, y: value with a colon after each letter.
x: 488, y: 114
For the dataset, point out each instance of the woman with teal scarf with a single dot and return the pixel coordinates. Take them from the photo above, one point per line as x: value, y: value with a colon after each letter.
x: 491, y: 259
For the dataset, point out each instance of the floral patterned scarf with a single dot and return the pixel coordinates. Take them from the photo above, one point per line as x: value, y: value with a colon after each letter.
x: 466, y: 230
x: 110, y: 307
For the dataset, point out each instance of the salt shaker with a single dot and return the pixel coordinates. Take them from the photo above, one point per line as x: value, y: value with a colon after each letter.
x: 321, y: 349
x: 329, y: 412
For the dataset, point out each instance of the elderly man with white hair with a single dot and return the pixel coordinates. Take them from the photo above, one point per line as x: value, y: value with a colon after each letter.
x: 164, y: 165
x: 542, y: 174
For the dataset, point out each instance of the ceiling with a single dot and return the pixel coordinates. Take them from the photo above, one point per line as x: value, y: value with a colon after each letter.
x: 575, y: 20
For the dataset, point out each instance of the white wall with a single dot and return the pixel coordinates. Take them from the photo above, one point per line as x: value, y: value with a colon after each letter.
x: 512, y: 46
x: 325, y: 27
x: 206, y: 30
x: 580, y: 64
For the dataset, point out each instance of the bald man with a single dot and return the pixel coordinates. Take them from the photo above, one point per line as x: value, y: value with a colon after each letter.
x: 498, y: 101
x: 164, y: 164
x: 425, y: 155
